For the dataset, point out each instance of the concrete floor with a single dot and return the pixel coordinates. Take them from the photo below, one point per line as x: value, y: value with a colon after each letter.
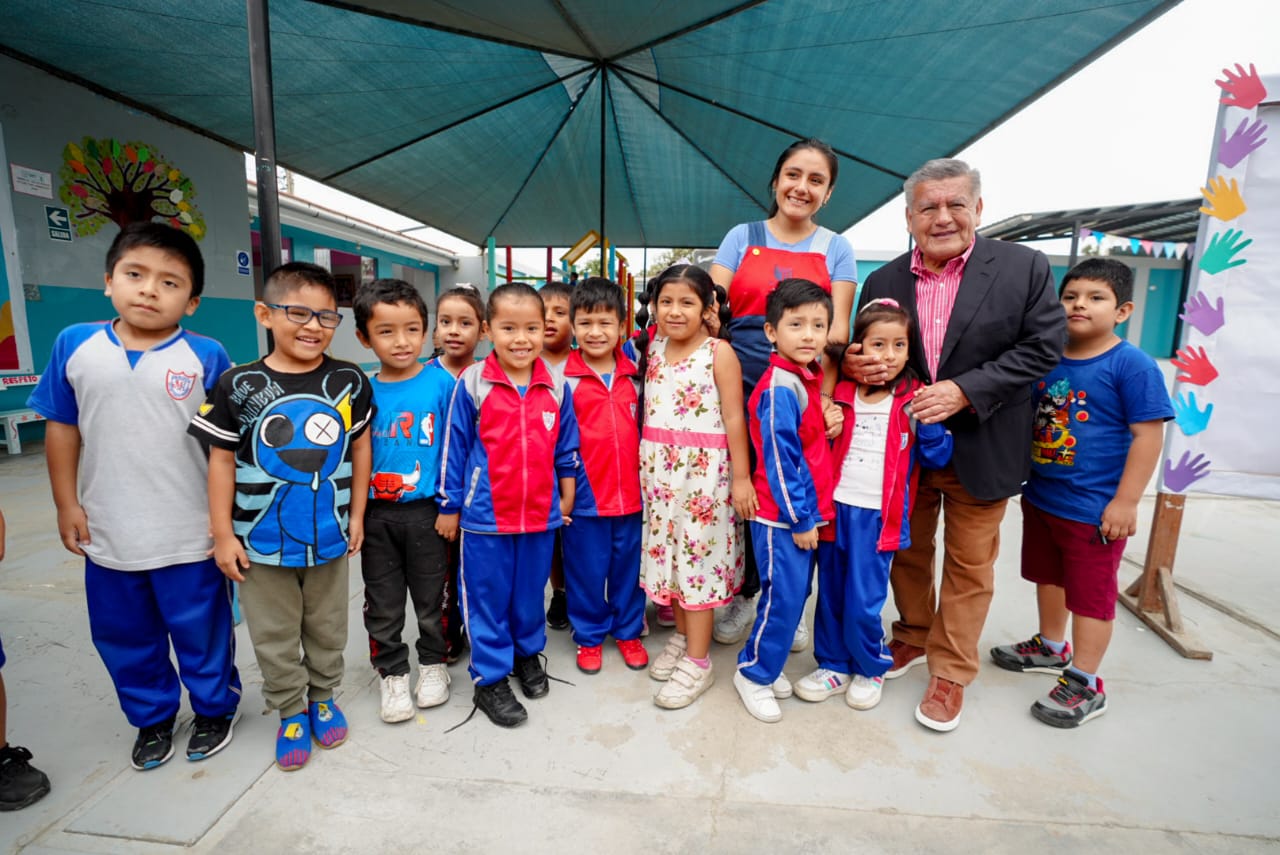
x: 1183, y: 761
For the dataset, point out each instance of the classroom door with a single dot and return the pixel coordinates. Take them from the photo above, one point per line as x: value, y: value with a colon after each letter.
x: 1160, y: 314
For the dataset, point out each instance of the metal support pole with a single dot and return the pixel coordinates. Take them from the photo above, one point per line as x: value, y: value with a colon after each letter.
x: 604, y: 100
x: 264, y: 133
x: 550, y: 266
x: 510, y: 272
x: 1075, y: 244
x: 491, y: 252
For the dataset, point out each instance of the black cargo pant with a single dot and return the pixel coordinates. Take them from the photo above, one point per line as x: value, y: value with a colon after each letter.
x: 402, y: 552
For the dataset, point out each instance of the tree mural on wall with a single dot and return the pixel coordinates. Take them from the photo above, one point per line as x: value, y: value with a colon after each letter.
x: 104, y: 180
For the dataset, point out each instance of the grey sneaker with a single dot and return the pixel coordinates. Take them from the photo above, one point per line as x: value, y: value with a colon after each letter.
x: 734, y: 621
x: 1071, y: 702
x: 1031, y: 656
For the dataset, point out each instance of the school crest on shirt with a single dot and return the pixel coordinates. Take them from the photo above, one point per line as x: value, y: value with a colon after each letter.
x: 549, y: 419
x: 179, y: 384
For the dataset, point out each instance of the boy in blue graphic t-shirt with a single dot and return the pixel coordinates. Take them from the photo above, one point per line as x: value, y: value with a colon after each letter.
x: 1097, y: 438
x: 402, y: 551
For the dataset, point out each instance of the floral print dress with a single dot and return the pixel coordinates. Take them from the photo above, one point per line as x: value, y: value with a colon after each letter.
x: 692, y: 536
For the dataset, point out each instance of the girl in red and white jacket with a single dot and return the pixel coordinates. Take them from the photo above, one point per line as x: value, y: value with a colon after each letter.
x: 876, y: 460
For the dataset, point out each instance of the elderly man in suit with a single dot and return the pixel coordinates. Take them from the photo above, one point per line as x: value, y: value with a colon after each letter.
x: 987, y: 326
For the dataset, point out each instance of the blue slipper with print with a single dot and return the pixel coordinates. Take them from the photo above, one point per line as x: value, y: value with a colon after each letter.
x: 293, y: 742
x: 328, y: 724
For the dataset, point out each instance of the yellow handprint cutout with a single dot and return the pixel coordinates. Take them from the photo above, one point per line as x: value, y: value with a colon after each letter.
x: 1224, y: 202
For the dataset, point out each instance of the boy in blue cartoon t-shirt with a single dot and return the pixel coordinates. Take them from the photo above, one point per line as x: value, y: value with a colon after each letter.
x: 289, y: 459
x: 1097, y: 437
x: 402, y: 551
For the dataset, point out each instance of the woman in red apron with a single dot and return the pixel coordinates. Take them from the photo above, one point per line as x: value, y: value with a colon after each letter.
x: 751, y: 260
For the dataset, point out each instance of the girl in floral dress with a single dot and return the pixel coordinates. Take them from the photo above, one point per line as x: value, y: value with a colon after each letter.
x: 694, y: 477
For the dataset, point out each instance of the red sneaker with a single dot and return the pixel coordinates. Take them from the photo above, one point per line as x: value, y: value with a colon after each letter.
x: 905, y: 657
x: 590, y: 659
x: 633, y: 653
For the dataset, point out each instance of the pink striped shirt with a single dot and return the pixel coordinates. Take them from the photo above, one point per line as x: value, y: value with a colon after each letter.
x: 935, y: 298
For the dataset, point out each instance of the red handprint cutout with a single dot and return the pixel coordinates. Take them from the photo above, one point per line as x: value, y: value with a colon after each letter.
x: 1199, y: 370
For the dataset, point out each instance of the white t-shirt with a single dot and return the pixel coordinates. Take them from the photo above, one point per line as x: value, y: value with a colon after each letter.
x: 861, y: 481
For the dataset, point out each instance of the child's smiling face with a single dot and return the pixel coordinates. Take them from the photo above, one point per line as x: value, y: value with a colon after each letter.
x: 516, y: 331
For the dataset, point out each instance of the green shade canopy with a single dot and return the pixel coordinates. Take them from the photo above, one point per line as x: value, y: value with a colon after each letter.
x: 487, y: 118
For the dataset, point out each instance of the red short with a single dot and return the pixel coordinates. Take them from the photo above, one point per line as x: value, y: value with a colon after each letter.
x: 1071, y: 555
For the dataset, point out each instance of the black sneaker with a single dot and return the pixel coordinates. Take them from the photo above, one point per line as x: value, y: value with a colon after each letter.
x: 499, y: 703
x: 1031, y: 655
x: 558, y: 611
x: 532, y: 676
x: 21, y: 784
x: 210, y: 734
x: 1071, y: 702
x: 154, y: 745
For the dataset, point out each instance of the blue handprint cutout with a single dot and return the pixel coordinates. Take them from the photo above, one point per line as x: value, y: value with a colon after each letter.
x: 1191, y: 420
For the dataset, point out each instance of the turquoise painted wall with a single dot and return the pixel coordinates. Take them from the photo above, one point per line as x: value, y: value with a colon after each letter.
x: 305, y: 242
x: 1160, y: 317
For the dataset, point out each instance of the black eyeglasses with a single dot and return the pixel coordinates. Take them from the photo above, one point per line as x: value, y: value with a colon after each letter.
x: 302, y: 315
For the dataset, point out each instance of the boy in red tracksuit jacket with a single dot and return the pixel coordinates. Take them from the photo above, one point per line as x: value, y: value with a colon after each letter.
x: 792, y: 482
x: 875, y: 464
x: 507, y: 481
x: 602, y: 545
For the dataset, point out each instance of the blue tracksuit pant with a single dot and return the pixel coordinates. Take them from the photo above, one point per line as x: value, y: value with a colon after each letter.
x: 602, y: 578
x: 853, y: 581
x: 784, y: 584
x: 502, y: 578
x: 134, y: 615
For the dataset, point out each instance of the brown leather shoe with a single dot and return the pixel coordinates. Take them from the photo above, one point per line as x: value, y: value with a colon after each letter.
x: 905, y: 657
x: 940, y: 709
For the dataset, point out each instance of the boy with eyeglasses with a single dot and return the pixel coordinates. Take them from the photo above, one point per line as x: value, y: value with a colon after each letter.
x: 289, y: 465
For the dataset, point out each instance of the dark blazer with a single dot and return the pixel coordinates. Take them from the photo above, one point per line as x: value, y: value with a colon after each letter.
x: 1007, y: 330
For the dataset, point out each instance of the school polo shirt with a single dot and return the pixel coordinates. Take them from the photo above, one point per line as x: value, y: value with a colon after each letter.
x: 143, y: 479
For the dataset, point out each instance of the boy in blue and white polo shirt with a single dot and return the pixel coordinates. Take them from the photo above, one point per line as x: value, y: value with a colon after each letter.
x: 134, y: 501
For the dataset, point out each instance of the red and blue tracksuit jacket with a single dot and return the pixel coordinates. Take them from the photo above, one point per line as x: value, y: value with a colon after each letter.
x: 504, y: 452
x: 608, y: 478
x: 793, y: 477
x: 908, y: 444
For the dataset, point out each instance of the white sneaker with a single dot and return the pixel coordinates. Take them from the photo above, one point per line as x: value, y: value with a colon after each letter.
x: 821, y: 684
x: 433, y: 685
x: 782, y: 687
x: 759, y: 700
x: 734, y: 621
x: 396, y: 705
x: 687, y: 682
x: 665, y: 662
x: 864, y: 692
x: 801, y: 641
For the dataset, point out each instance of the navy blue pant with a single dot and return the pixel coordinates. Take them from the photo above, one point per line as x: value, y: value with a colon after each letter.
x: 602, y: 578
x: 502, y: 579
x: 784, y: 584
x: 134, y: 615
x: 853, y: 582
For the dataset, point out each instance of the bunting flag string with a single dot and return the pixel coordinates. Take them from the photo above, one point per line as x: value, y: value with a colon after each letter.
x: 1136, y: 246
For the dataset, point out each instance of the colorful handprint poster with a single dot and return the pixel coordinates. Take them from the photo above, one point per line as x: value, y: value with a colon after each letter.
x: 1225, y: 438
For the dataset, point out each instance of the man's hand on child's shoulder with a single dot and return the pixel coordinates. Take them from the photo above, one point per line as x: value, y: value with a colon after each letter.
x: 447, y: 526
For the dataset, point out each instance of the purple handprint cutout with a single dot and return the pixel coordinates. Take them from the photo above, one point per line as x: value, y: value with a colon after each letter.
x: 1243, y: 89
x: 1197, y: 312
x: 1187, y: 471
x: 1245, y: 140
